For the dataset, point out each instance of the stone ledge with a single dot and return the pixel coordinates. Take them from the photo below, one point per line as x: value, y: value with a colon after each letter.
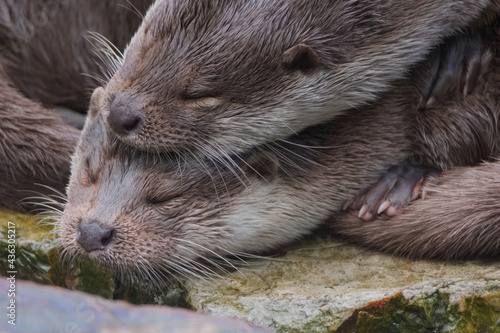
x: 320, y: 285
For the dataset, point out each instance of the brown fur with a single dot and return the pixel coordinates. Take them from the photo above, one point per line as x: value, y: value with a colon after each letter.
x: 35, y: 145
x: 46, y: 63
x: 458, y: 217
x: 46, y: 50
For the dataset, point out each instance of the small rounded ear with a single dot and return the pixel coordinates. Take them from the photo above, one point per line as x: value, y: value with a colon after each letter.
x: 95, y: 102
x: 263, y: 164
x: 300, y: 57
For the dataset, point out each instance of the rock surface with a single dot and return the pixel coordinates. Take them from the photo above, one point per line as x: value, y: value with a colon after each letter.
x: 320, y: 285
x: 324, y: 286
x: 42, y: 309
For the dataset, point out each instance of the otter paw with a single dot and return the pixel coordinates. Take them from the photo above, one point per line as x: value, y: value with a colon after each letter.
x: 457, y: 65
x: 395, y: 189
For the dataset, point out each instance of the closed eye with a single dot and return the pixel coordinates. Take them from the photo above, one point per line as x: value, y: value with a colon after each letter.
x: 205, y: 102
x: 203, y: 99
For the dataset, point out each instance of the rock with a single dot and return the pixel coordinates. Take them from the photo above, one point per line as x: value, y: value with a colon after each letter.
x: 324, y: 286
x: 320, y: 285
x: 48, y: 309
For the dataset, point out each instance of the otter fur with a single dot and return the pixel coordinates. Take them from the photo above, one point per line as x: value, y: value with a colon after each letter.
x: 48, y: 64
x: 220, y: 77
x: 156, y: 214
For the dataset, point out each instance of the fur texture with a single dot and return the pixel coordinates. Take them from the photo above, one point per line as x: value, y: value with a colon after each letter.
x: 459, y: 218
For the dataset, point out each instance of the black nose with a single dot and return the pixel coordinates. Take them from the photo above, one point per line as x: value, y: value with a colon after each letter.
x: 92, y: 236
x: 124, y: 114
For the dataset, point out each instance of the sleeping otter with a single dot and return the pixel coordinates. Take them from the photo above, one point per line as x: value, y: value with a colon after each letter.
x: 217, y: 79
x: 39, y: 64
x: 158, y: 214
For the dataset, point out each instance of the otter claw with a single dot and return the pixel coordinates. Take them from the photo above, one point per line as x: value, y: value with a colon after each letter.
x: 400, y: 185
x: 386, y: 204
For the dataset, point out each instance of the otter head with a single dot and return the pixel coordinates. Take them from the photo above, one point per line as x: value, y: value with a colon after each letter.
x: 135, y: 211
x: 217, y: 77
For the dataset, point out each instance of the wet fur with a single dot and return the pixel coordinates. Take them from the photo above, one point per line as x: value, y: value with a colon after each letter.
x: 459, y: 218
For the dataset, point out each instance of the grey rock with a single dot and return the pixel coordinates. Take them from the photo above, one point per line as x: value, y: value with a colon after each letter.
x: 51, y: 309
x: 319, y: 286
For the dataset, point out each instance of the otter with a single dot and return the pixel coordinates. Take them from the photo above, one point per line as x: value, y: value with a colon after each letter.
x: 218, y: 78
x: 47, y: 72
x: 156, y: 214
x: 43, y: 67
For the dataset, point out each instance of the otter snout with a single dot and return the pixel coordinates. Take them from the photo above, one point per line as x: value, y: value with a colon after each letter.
x: 92, y: 236
x: 125, y: 116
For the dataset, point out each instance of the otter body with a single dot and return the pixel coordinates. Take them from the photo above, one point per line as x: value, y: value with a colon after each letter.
x: 216, y: 78
x: 159, y: 214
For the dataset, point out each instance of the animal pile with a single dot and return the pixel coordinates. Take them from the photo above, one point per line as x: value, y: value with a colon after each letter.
x: 229, y: 128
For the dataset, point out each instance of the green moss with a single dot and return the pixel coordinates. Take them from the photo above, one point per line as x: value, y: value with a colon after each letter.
x: 81, y: 275
x: 26, y: 226
x: 30, y: 264
x: 31, y: 241
x: 429, y: 314
x: 94, y: 279
x: 173, y: 294
x: 480, y: 314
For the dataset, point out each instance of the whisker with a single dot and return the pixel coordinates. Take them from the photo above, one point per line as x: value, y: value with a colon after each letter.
x: 208, y: 260
x: 206, y: 249
x: 134, y: 9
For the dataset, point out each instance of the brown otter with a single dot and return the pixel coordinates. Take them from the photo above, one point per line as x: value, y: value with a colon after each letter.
x: 157, y: 214
x: 219, y: 78
x: 46, y: 64
x: 40, y: 63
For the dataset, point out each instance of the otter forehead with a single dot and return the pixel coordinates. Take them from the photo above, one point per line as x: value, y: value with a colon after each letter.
x: 226, y: 43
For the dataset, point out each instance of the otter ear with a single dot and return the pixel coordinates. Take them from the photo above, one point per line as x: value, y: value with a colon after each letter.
x: 263, y: 164
x: 95, y: 102
x: 300, y: 57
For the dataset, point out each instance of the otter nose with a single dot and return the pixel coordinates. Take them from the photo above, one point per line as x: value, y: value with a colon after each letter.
x: 124, y: 116
x: 92, y: 236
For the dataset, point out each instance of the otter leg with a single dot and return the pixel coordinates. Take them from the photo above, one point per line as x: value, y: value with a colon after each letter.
x: 453, y: 70
x: 459, y: 218
x: 391, y: 193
